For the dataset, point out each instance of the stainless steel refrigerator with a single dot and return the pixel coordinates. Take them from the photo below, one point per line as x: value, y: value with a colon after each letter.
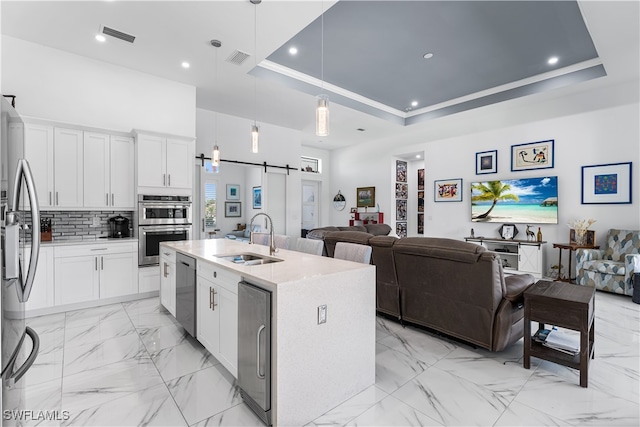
x: 19, y: 223
x: 254, y: 349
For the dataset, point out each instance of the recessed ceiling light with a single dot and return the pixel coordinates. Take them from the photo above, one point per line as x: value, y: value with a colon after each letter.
x: 552, y: 60
x: 293, y: 50
x: 414, y: 103
x: 185, y: 65
x: 428, y: 55
x: 418, y: 156
x: 100, y: 38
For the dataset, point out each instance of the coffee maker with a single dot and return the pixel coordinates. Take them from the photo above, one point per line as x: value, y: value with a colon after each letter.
x: 118, y: 227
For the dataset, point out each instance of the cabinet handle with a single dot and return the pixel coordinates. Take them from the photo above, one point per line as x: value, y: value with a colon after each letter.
x: 101, y: 263
x: 164, y: 179
x: 56, y: 198
x: 203, y: 225
x: 50, y: 203
x: 215, y: 274
x: 212, y: 299
x: 112, y: 200
x: 107, y: 199
x: 169, y: 180
x: 258, y: 373
x: 96, y: 263
x: 166, y: 273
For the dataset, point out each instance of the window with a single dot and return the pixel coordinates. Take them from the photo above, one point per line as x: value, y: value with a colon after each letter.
x: 309, y: 164
x: 210, y: 214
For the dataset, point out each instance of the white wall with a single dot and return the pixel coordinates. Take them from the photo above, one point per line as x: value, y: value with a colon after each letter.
x: 278, y: 146
x: 60, y: 86
x: 601, y: 136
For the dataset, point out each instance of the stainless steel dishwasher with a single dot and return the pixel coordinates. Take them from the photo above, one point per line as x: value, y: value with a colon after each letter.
x: 186, y: 292
x: 254, y: 349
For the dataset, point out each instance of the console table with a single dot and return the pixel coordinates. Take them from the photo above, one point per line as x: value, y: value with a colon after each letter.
x: 519, y: 256
x: 567, y: 306
x: 572, y: 247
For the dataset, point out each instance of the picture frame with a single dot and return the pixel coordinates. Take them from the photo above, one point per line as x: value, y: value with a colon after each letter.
x: 366, y: 197
x: 401, y: 190
x: 420, y: 201
x: 447, y: 190
x: 232, y: 209
x: 401, y: 229
x: 420, y: 223
x: 532, y: 155
x: 401, y: 171
x: 606, y: 184
x: 508, y: 231
x: 486, y: 162
x: 591, y: 237
x: 401, y: 210
x: 257, y: 197
x: 233, y: 192
x: 420, y: 179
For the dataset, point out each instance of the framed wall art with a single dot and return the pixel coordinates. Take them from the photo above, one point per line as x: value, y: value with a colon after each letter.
x: 401, y: 210
x: 487, y: 162
x: 420, y: 179
x: 606, y: 184
x: 232, y: 209
x: 401, y: 229
x: 233, y: 192
x: 257, y: 197
x: 448, y: 190
x: 401, y: 171
x: 401, y: 190
x: 366, y: 197
x: 533, y: 155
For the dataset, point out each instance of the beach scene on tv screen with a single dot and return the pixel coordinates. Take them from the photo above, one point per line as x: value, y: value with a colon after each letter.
x: 528, y: 200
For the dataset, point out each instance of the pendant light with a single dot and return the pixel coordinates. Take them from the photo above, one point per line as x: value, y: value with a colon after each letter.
x: 215, y: 153
x: 255, y: 132
x: 322, y: 108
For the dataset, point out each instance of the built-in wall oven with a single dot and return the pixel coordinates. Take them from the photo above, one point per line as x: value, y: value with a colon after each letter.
x: 161, y: 219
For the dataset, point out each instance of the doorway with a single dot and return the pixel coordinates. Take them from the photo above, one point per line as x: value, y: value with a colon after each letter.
x: 310, y: 208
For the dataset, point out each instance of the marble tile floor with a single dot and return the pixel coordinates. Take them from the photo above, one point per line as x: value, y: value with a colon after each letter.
x: 131, y: 364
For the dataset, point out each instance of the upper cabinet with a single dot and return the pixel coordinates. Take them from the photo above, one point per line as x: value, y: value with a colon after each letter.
x: 109, y: 171
x: 75, y: 169
x: 165, y: 164
x: 55, y: 156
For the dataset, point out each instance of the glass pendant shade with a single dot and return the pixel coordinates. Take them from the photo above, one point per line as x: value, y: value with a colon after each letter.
x: 215, y: 159
x: 322, y: 116
x: 254, y: 139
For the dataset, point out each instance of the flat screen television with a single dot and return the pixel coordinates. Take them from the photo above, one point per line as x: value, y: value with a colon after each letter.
x: 525, y: 201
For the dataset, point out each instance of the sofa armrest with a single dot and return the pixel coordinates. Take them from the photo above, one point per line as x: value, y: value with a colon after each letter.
x: 516, y: 284
x: 632, y: 265
x: 583, y: 255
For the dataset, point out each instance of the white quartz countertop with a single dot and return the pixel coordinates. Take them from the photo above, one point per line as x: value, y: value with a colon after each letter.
x: 96, y: 241
x: 294, y: 266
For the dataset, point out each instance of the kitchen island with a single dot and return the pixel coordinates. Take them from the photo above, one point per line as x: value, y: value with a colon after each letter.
x: 314, y: 366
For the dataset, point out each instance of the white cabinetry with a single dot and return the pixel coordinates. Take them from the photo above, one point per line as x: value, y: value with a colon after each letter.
x: 217, y: 314
x: 148, y: 279
x: 56, y: 159
x: 42, y: 290
x: 108, y: 171
x: 518, y: 256
x: 168, y: 279
x: 89, y: 272
x: 164, y: 163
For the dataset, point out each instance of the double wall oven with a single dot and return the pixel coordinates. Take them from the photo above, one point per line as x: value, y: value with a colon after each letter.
x: 161, y: 219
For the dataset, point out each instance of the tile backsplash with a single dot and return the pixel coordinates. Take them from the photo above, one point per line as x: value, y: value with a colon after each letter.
x: 78, y: 225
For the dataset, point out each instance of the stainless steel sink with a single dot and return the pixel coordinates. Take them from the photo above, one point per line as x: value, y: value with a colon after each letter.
x: 247, y: 258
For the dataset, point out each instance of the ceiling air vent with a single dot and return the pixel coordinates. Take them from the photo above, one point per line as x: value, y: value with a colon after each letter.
x: 238, y: 57
x: 118, y: 34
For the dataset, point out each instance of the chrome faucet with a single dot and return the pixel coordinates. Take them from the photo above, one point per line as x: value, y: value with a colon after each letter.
x: 272, y: 244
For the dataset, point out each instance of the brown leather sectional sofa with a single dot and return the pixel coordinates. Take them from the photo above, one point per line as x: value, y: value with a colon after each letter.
x: 447, y: 285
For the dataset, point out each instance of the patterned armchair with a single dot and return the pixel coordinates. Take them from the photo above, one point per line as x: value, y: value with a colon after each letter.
x: 611, y: 268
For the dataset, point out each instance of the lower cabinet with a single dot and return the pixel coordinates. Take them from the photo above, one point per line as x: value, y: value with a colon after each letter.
x: 148, y: 279
x: 168, y: 280
x: 217, y: 314
x: 42, y: 291
x: 89, y: 272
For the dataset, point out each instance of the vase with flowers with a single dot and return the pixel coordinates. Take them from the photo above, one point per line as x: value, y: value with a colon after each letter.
x: 581, y: 226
